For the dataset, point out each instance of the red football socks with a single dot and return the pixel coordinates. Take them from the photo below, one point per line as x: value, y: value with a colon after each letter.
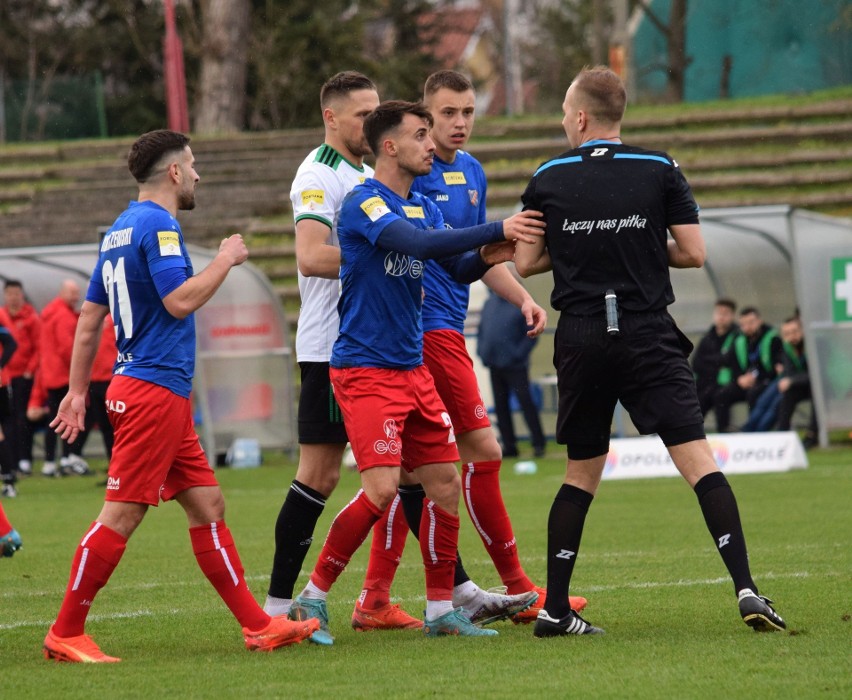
x: 389, y: 535
x: 5, y: 525
x: 217, y: 556
x: 96, y: 557
x: 484, y: 501
x: 439, y: 538
x: 348, y: 532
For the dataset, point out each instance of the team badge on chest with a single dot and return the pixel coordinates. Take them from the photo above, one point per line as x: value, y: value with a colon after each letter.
x: 474, y: 196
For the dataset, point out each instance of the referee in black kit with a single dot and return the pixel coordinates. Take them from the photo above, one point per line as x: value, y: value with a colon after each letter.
x: 608, y: 207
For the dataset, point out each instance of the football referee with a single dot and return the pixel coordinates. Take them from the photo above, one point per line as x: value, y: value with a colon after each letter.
x: 608, y: 208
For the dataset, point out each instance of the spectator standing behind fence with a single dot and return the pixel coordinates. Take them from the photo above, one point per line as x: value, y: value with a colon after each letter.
x: 751, y: 361
x: 7, y: 464
x: 707, y: 358
x: 504, y: 347
x: 23, y: 322
x: 96, y: 411
x: 59, y: 323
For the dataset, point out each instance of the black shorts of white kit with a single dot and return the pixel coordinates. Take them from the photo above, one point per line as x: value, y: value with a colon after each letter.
x: 320, y: 420
x: 645, y: 367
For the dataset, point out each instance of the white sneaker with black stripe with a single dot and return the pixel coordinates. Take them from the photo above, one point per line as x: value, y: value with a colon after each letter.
x: 572, y: 623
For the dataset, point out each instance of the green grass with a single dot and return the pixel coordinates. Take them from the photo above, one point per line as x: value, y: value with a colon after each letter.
x: 647, y: 565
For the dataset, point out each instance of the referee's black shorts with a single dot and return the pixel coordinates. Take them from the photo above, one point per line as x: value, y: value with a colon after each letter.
x: 645, y: 367
x: 320, y: 420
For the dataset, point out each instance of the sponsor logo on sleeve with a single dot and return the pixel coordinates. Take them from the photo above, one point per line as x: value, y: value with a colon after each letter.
x: 414, y: 212
x: 375, y: 208
x: 455, y: 178
x: 313, y: 198
x: 169, y: 242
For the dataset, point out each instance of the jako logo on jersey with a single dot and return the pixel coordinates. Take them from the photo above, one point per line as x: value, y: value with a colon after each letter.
x: 474, y: 196
x: 565, y: 554
x: 116, y: 406
x: 399, y: 265
x: 442, y: 198
x: 723, y: 540
x: 596, y: 153
x: 113, y: 483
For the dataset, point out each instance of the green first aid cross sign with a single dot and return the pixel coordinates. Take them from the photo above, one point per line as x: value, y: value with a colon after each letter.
x: 841, y: 289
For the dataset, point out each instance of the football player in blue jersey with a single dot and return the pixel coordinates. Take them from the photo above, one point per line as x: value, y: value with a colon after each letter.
x: 394, y: 417
x: 145, y: 280
x: 456, y: 184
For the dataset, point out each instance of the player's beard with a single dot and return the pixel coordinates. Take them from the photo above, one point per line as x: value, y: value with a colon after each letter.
x: 359, y: 149
x: 186, y: 200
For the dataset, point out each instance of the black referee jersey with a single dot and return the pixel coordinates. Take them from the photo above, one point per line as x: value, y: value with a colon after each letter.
x: 608, y: 207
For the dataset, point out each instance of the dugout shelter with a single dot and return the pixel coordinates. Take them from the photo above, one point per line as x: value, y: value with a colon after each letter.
x: 243, y: 386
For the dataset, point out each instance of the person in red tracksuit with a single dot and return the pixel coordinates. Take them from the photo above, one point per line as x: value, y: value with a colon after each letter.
x: 59, y: 323
x: 23, y: 322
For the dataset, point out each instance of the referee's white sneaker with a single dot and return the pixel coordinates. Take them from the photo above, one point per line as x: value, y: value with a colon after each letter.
x: 572, y: 623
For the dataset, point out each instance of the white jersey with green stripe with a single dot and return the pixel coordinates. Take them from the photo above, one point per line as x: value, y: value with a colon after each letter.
x: 322, y: 181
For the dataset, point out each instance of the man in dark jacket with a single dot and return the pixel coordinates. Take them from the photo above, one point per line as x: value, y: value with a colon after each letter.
x: 795, y: 384
x: 707, y: 358
x: 504, y: 347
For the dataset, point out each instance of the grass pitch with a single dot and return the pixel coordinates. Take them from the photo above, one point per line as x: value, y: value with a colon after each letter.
x: 647, y: 565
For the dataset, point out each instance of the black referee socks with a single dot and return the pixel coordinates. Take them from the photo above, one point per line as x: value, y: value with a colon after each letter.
x: 723, y: 521
x: 564, y: 530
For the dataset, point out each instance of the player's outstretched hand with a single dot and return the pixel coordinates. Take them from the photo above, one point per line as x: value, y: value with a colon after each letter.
x: 524, y: 226
x: 71, y: 417
x: 235, y: 248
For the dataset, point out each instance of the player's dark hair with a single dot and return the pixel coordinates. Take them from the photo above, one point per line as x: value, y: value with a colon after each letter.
x: 148, y: 150
x: 726, y: 302
x: 341, y: 84
x: 450, y: 79
x: 13, y: 283
x: 749, y: 310
x: 389, y: 115
x: 793, y: 319
x: 604, y: 92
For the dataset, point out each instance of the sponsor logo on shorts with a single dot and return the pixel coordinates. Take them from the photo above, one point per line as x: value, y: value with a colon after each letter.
x: 480, y: 411
x: 116, y: 406
x: 113, y: 483
x: 169, y: 242
x: 392, y: 445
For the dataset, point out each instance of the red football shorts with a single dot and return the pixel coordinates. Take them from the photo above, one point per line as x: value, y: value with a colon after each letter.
x: 446, y: 357
x: 156, y: 453
x: 394, y: 417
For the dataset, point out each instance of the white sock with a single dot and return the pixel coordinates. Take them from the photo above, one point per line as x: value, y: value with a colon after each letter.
x: 465, y: 593
x: 436, y: 608
x: 313, y: 593
x: 277, y: 606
